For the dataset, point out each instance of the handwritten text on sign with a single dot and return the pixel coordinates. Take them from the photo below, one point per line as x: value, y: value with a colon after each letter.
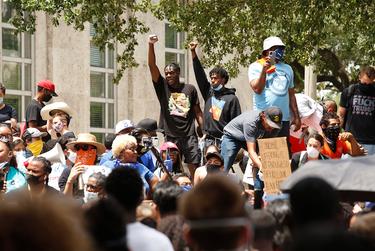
x: 275, y: 161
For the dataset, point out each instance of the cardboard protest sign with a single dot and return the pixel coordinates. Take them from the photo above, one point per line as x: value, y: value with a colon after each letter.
x: 275, y: 161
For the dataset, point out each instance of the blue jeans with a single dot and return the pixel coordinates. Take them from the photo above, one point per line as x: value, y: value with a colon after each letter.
x: 370, y: 148
x: 229, y: 151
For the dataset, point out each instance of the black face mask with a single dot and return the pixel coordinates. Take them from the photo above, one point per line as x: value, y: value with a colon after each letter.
x: 33, y: 180
x: 213, y: 168
x: 332, y: 133
x: 47, y: 97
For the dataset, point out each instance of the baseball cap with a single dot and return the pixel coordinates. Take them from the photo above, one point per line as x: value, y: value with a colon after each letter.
x: 148, y: 124
x: 122, y: 125
x: 274, y: 117
x: 46, y: 84
x: 216, y: 155
x: 168, y: 145
x: 33, y: 133
x: 272, y: 41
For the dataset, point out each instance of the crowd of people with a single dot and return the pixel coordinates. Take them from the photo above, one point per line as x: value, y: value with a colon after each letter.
x: 172, y: 185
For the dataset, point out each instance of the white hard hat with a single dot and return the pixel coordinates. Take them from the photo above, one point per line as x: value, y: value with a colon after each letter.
x: 272, y: 41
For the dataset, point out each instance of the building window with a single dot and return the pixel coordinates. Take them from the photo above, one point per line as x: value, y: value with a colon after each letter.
x: 102, y: 91
x: 174, y: 49
x: 16, y: 63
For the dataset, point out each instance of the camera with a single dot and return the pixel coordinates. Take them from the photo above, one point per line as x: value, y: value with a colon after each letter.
x: 147, y: 142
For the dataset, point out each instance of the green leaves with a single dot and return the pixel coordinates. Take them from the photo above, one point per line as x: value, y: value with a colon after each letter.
x: 114, y: 21
x: 230, y: 31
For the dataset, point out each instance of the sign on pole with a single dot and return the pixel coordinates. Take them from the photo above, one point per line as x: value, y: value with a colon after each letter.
x: 275, y: 161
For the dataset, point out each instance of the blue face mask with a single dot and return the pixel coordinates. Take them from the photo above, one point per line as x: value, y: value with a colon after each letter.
x: 217, y: 88
x: 187, y: 188
x: 279, y: 53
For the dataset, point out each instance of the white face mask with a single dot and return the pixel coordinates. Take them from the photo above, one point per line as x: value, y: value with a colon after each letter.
x: 312, y: 152
x: 72, y: 156
x: 1, y: 100
x: 58, y: 127
x: 91, y: 196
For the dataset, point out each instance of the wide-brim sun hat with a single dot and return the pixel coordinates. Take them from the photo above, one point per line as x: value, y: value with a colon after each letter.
x: 88, y: 139
x: 45, y: 112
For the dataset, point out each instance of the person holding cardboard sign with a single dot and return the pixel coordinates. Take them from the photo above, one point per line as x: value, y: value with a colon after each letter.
x: 243, y: 131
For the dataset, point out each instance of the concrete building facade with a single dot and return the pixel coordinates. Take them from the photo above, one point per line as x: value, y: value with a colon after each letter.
x: 83, y: 74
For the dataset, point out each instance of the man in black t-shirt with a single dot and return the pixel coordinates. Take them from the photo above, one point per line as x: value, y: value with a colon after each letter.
x: 179, y: 108
x: 45, y: 91
x: 357, y: 109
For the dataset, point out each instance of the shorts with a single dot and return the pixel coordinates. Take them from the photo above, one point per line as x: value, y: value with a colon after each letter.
x: 188, y: 147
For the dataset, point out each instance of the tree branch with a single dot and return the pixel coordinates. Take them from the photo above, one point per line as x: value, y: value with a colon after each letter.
x: 336, y: 67
x: 332, y: 79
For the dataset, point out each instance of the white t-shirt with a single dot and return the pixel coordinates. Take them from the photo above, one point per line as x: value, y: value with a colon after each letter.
x: 143, y: 238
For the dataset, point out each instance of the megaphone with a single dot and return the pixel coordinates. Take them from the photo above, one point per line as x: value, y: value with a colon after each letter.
x: 55, y: 155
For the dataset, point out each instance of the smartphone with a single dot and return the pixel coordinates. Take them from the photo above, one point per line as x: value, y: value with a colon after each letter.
x: 272, y: 57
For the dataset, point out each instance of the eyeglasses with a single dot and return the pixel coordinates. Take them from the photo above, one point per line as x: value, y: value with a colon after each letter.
x: 84, y: 147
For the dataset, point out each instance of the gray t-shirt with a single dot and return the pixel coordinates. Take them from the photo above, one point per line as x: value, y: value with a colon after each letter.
x: 245, y: 127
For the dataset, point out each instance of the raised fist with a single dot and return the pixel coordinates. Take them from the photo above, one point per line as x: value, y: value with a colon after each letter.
x: 152, y: 39
x: 193, y: 45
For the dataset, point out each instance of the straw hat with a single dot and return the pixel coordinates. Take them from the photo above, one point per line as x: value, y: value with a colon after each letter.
x: 89, y: 139
x: 62, y: 106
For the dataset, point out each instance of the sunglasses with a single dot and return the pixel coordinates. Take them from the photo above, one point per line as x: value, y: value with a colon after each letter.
x: 84, y: 147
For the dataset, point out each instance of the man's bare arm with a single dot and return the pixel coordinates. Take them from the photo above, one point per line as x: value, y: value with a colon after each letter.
x: 258, y: 84
x: 155, y: 73
x: 199, y: 115
x: 296, y: 120
x: 251, y: 146
x: 341, y: 112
